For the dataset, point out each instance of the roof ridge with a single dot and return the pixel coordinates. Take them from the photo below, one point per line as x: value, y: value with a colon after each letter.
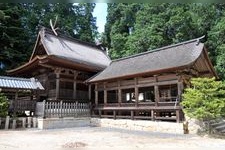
x: 15, y: 78
x: 160, y: 49
x: 60, y: 34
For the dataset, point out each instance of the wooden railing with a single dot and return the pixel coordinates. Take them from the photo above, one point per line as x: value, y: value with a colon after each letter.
x: 62, y: 109
x: 142, y: 104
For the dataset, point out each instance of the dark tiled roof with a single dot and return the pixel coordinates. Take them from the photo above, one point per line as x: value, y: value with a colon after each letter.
x: 72, y: 49
x: 164, y: 58
x: 20, y: 83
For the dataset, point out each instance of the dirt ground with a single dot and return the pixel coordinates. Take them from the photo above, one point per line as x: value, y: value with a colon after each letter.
x: 102, y: 138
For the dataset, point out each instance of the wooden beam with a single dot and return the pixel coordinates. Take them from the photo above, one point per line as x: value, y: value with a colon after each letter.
x: 142, y: 85
x: 71, y: 80
x: 96, y: 94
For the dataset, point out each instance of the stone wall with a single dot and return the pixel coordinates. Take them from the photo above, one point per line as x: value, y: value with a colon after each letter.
x: 144, y: 125
x: 55, y: 123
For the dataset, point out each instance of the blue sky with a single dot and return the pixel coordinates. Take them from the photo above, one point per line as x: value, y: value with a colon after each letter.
x: 100, y: 13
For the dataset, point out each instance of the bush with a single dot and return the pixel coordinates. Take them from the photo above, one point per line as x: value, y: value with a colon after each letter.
x: 205, y: 99
x: 4, y: 104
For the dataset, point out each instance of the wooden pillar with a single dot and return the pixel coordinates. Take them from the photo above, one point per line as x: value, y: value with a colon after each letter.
x: 136, y: 92
x: 156, y: 91
x: 152, y: 115
x: 16, y: 96
x: 57, y: 85
x: 89, y: 92
x: 114, y: 114
x: 100, y: 113
x: 14, y: 104
x: 14, y: 124
x: 29, y: 122
x: 179, y: 90
x: 119, y: 94
x: 31, y: 95
x: 105, y: 94
x: 75, y: 85
x: 132, y: 115
x: 96, y: 94
x: 37, y: 95
x: 178, y: 116
x: 7, y: 122
x: 74, y: 90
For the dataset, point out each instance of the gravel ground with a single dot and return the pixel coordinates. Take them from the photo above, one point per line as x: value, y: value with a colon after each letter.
x: 103, y: 138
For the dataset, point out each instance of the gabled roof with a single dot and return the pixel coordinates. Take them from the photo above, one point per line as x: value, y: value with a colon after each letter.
x: 72, y: 49
x: 156, y: 61
x: 67, y: 50
x: 20, y: 83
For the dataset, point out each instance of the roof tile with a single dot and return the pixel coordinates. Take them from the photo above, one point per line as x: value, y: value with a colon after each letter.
x: 20, y: 83
x: 172, y: 56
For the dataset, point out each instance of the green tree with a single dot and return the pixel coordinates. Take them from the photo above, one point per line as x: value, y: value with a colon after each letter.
x: 135, y: 28
x: 3, y: 105
x: 74, y: 20
x: 205, y: 99
x: 120, y: 24
x: 86, y: 29
x: 13, y: 38
x: 149, y: 29
x: 20, y: 23
x: 217, y: 43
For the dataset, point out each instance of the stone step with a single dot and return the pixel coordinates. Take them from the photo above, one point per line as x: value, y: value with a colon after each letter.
x: 215, y: 121
x: 216, y: 124
x: 223, y: 131
x: 221, y: 127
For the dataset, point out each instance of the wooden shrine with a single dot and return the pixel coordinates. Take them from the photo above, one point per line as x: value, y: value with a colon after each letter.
x: 62, y: 64
x: 149, y: 85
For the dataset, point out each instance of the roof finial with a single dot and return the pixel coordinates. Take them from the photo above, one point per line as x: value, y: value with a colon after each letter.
x: 198, y: 40
x: 53, y: 26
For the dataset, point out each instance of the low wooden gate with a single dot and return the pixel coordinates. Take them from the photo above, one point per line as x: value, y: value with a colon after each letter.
x: 62, y: 109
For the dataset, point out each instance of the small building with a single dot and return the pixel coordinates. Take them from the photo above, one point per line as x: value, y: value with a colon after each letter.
x: 22, y: 93
x: 149, y: 85
x: 62, y: 64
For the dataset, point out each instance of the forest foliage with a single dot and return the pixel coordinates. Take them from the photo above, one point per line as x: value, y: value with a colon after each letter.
x: 133, y: 28
x: 20, y: 23
x: 130, y: 28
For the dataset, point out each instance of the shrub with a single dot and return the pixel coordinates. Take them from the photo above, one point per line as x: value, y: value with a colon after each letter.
x: 205, y: 99
x: 4, y: 104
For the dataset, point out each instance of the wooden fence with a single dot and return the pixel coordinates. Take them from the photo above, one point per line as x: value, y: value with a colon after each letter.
x: 62, y: 109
